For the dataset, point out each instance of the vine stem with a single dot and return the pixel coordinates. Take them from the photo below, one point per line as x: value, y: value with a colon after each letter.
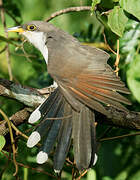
x: 35, y: 169
x: 12, y: 140
x: 119, y: 137
x: 117, y: 58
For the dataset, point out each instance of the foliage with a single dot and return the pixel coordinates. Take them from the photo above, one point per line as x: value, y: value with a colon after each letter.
x: 119, y: 20
x: 2, y: 142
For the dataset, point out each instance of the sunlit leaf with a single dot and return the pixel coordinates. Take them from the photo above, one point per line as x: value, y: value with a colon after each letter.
x: 117, y: 20
x: 122, y: 175
x: 133, y: 77
x: 2, y: 142
x: 95, y: 2
x: 132, y: 7
x: 91, y: 174
x: 130, y: 40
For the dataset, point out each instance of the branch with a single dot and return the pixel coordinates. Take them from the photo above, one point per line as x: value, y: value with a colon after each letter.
x: 12, y: 140
x: 32, y: 97
x: 18, y: 118
x: 127, y: 120
x: 28, y: 96
x: 67, y: 10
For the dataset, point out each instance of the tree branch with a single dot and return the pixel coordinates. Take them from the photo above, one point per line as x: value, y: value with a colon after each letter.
x: 67, y: 10
x: 127, y: 120
x: 28, y: 96
x: 18, y: 118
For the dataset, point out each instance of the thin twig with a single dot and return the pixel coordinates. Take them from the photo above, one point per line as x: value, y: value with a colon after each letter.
x: 3, y: 49
x: 73, y: 173
x: 57, y: 118
x: 108, y: 45
x: 119, y: 137
x: 117, y: 54
x: 6, y: 166
x: 7, y: 48
x: 106, y: 12
x: 18, y: 131
x: 100, y: 45
x: 69, y: 161
x: 85, y: 172
x: 117, y: 58
x: 11, y: 16
x: 12, y: 140
x: 104, y: 133
x: 25, y: 54
x: 138, y: 48
x: 67, y: 10
x: 35, y: 169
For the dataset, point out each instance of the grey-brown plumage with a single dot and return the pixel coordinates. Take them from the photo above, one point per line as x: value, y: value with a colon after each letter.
x: 85, y: 83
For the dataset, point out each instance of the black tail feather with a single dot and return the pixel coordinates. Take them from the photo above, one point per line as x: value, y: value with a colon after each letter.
x: 51, y: 112
x: 53, y: 131
x: 47, y: 105
x: 64, y: 139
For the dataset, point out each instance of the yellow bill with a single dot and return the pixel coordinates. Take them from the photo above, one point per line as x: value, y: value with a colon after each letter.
x: 16, y: 29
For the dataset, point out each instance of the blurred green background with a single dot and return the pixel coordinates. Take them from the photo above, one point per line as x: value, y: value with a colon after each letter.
x: 118, y: 159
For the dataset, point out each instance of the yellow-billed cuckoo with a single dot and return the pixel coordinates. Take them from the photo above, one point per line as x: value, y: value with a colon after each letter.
x: 86, y: 83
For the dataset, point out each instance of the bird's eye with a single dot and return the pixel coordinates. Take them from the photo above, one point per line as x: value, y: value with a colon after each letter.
x: 31, y: 27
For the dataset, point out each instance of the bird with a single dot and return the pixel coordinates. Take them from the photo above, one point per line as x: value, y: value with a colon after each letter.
x: 84, y: 83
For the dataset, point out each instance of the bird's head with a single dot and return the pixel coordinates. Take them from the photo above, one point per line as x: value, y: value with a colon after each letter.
x: 36, y: 33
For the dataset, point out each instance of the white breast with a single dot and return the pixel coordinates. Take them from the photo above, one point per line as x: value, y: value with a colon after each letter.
x: 38, y: 39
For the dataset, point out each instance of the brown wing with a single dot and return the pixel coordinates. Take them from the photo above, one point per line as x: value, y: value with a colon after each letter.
x: 93, y: 93
x: 84, y: 75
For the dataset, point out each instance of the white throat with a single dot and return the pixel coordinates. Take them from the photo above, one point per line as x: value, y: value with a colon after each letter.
x: 38, y: 39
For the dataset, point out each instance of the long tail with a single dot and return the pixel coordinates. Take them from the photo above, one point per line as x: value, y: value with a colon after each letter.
x: 59, y: 124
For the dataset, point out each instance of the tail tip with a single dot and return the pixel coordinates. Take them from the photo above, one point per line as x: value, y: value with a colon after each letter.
x: 33, y: 139
x: 35, y: 116
x: 95, y: 159
x: 56, y: 171
x: 42, y: 157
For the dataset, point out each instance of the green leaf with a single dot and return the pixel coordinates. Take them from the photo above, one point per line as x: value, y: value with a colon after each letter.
x: 132, y: 7
x: 91, y: 174
x: 94, y: 3
x: 130, y: 41
x: 2, y: 142
x: 133, y: 77
x: 116, y: 0
x: 117, y: 20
